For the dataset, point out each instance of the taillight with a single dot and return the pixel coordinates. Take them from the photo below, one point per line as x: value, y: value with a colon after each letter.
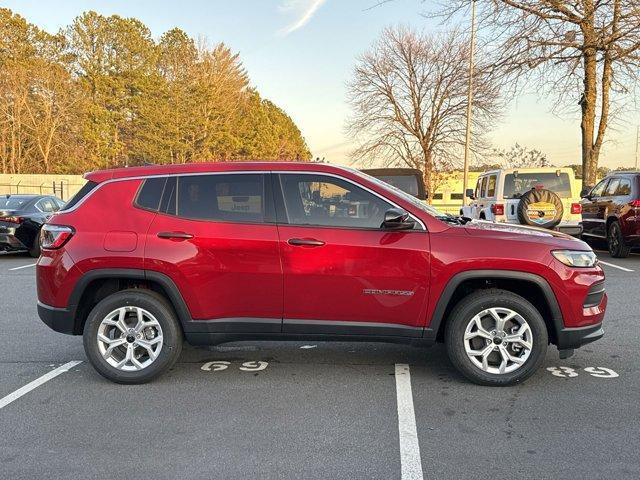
x: 497, y: 209
x: 635, y: 203
x: 12, y: 219
x: 55, y: 236
x: 576, y: 208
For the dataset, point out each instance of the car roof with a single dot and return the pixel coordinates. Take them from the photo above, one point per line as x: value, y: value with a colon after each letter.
x: 527, y: 170
x: 210, y: 167
x: 24, y: 196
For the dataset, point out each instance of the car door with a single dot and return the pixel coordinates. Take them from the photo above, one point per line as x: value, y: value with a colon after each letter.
x: 343, y: 273
x: 215, y: 237
x: 606, y: 205
x: 593, y: 223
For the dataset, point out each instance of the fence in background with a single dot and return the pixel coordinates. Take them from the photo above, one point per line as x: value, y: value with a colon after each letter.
x: 62, y: 186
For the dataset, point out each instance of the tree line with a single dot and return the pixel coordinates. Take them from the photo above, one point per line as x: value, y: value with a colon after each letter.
x: 103, y: 92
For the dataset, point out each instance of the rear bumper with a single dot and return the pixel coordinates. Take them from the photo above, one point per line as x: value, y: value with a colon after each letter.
x: 569, y: 338
x: 10, y: 243
x: 573, y: 230
x: 58, y: 319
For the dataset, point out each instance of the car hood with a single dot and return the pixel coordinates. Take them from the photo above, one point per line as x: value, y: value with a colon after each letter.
x: 524, y: 233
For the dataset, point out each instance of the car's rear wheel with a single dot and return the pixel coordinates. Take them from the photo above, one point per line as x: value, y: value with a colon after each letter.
x: 132, y: 336
x: 496, y: 338
x: 34, y: 251
x: 615, y: 241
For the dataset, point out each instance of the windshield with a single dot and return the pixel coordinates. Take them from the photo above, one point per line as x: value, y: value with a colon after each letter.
x: 13, y: 202
x: 517, y: 185
x: 404, y: 195
x: 406, y: 183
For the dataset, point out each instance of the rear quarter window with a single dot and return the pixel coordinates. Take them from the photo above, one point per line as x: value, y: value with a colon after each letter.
x: 83, y: 192
x: 150, y: 193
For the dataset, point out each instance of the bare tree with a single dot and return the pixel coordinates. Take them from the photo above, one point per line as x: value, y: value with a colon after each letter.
x: 519, y: 156
x: 409, y: 98
x: 586, y: 53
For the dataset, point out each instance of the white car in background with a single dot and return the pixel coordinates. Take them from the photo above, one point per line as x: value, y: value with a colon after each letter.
x: 545, y: 197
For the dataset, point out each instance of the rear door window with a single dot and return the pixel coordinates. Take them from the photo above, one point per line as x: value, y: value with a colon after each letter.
x: 238, y: 198
x: 483, y: 187
x: 491, y: 187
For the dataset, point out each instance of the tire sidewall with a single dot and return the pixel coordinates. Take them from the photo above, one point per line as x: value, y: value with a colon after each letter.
x: 158, y: 307
x: 471, y: 306
x: 622, y: 250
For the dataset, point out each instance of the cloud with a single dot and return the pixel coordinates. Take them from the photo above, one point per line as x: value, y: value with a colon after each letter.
x: 304, y: 9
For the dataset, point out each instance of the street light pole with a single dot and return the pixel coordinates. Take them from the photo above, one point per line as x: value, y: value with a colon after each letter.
x: 637, y: 144
x: 467, y: 141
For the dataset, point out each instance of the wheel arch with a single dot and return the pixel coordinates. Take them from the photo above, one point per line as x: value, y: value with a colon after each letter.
x: 530, y: 286
x: 96, y: 285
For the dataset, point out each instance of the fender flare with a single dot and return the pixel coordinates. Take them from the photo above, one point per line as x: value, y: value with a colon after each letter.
x: 441, y: 306
x: 175, y: 297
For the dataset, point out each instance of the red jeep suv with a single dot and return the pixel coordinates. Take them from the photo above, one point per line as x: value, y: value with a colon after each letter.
x: 143, y: 257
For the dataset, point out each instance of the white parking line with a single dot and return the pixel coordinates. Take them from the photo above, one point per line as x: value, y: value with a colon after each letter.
x: 616, y: 266
x: 23, y: 266
x: 410, y: 463
x: 4, y: 401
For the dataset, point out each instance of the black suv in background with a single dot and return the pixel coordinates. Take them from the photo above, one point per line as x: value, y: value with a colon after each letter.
x: 611, y: 210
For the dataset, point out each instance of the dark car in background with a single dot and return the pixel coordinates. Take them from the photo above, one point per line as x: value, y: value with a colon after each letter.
x: 409, y: 180
x: 611, y: 211
x: 21, y: 217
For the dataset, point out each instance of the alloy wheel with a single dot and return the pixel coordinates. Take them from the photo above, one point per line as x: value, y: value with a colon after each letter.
x: 129, y: 338
x: 498, y: 340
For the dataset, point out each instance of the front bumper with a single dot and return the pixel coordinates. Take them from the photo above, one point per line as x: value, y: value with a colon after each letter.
x: 58, y: 319
x: 569, y: 338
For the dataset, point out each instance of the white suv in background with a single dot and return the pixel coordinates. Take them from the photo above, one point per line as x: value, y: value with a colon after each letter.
x: 539, y: 197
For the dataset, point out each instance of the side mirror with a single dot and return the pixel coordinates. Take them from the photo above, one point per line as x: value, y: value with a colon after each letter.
x: 397, y: 219
x: 469, y: 194
x: 585, y: 192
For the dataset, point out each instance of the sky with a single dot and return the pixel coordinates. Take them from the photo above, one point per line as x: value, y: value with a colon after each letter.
x: 300, y: 54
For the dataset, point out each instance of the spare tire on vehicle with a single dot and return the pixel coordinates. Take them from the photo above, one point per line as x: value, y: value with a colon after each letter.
x: 540, y: 208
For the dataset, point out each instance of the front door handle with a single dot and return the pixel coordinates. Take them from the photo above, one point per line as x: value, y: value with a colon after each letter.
x: 308, y: 242
x: 175, y: 235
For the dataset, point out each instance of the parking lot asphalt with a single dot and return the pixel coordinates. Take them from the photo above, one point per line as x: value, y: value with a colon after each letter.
x: 316, y: 410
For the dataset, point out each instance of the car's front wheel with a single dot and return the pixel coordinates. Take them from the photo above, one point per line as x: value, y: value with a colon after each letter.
x: 496, y: 338
x: 132, y: 336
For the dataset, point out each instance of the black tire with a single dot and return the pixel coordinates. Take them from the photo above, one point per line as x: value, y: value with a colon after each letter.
x: 467, y: 309
x: 155, y: 304
x: 34, y: 251
x: 548, y: 217
x: 615, y: 241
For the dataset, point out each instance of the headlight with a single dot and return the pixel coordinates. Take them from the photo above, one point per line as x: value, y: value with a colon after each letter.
x: 576, y: 258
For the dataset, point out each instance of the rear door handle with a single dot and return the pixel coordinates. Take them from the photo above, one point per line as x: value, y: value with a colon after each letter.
x: 309, y: 242
x: 175, y: 235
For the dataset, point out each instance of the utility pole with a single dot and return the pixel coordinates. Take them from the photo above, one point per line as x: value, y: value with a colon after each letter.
x: 637, y: 144
x: 467, y: 141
